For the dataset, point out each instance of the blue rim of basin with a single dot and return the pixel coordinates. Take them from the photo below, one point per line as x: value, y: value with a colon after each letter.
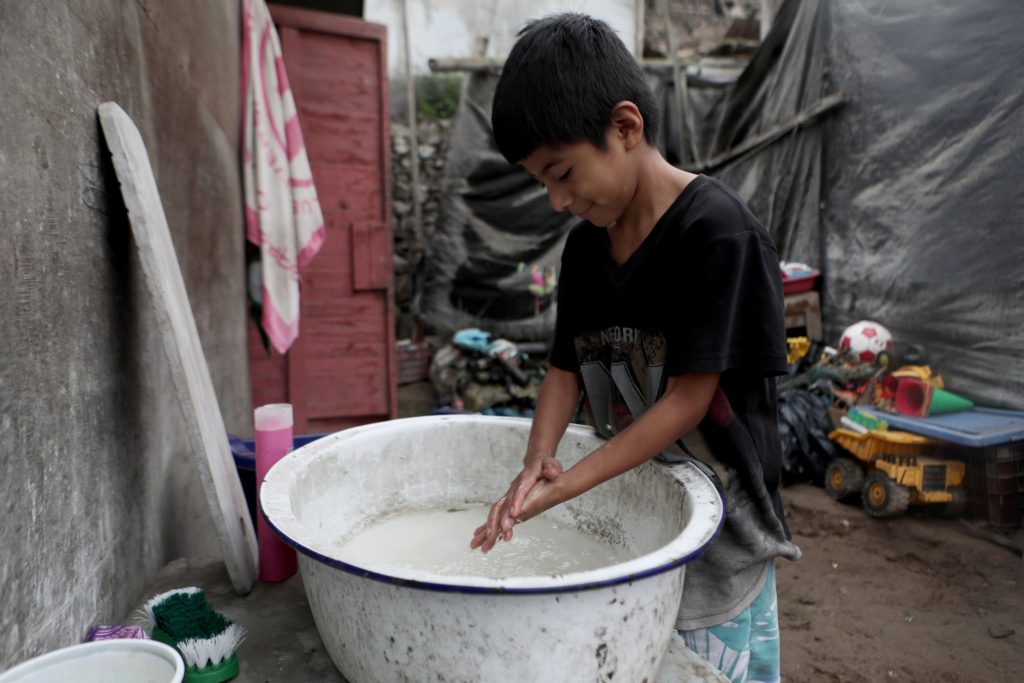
x: 453, y: 587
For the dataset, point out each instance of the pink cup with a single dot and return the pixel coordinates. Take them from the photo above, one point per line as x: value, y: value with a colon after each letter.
x: 274, y: 440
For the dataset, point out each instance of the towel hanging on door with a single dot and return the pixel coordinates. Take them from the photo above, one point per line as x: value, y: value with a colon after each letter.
x: 283, y: 219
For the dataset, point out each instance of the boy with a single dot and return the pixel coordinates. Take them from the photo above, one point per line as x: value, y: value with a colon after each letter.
x: 669, y: 317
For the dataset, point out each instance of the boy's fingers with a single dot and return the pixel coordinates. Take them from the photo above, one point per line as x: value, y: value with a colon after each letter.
x: 480, y: 541
x: 479, y: 536
x: 506, y: 528
x: 492, y: 538
x: 519, y: 496
x: 516, y: 508
x: 486, y: 534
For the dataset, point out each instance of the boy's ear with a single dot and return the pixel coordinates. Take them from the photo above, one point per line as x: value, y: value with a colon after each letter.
x: 627, y: 124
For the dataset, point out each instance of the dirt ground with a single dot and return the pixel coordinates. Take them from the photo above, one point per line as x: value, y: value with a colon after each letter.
x: 914, y: 598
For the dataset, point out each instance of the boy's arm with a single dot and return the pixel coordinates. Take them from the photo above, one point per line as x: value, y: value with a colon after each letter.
x: 680, y: 409
x: 556, y: 403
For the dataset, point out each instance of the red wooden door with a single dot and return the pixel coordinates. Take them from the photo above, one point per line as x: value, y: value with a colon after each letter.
x: 341, y: 370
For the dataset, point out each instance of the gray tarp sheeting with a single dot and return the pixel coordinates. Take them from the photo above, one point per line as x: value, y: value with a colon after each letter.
x: 496, y: 224
x: 924, y: 184
x: 910, y: 198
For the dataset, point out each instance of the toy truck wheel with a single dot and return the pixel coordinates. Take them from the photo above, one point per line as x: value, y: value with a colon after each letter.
x: 843, y: 478
x: 882, y: 497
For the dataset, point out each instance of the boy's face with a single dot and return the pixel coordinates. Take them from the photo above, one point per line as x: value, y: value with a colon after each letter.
x: 593, y: 183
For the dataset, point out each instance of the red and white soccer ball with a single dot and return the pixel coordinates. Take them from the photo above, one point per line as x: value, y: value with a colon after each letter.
x: 866, y: 341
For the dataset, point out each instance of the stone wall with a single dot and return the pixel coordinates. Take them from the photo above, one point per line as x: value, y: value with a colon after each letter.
x: 410, y: 240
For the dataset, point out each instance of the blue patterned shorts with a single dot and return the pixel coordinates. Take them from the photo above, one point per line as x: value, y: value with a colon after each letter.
x: 746, y: 649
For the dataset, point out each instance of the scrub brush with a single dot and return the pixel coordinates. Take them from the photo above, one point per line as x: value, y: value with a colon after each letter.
x: 206, y: 639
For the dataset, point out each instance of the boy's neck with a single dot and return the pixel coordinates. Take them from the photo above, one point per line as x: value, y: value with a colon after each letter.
x: 658, y: 185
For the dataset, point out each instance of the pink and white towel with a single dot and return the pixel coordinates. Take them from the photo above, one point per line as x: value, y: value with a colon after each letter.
x: 282, y: 212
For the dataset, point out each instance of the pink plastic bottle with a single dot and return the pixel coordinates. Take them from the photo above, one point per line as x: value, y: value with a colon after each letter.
x: 273, y: 441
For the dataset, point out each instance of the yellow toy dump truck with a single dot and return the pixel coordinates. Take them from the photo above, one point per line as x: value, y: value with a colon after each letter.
x: 891, y: 470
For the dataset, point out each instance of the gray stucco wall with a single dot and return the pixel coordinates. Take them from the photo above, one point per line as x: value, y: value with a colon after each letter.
x: 97, y: 486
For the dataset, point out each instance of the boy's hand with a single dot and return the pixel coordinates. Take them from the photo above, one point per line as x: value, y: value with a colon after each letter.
x: 509, y: 509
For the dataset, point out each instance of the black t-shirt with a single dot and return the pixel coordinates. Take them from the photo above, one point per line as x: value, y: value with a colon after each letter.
x: 702, y: 292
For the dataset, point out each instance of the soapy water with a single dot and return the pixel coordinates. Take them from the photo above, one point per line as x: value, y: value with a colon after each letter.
x: 437, y: 541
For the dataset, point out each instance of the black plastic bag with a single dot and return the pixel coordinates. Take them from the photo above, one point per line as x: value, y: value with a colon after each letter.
x: 804, y: 426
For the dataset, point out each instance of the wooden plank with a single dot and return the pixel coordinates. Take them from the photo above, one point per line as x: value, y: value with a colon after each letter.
x: 361, y: 391
x: 335, y: 424
x: 324, y: 283
x: 332, y: 63
x: 466, y: 64
x: 326, y: 22
x: 341, y: 137
x: 207, y: 436
x: 325, y: 349
x: 802, y: 119
x: 360, y: 314
x: 371, y: 255
x: 298, y: 390
x: 804, y: 310
x: 336, y: 253
x: 353, y: 191
x: 295, y: 358
x: 338, y: 71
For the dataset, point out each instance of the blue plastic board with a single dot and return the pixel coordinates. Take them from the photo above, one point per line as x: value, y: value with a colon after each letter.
x: 975, y: 427
x: 244, y: 450
x: 244, y: 453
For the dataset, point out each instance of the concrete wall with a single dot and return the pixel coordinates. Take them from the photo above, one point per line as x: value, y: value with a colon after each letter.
x: 459, y: 28
x: 97, y: 486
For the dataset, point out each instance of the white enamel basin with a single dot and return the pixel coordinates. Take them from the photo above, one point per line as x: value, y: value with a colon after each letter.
x: 611, y: 623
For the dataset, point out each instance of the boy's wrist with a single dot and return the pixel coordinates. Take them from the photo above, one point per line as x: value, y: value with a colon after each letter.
x: 552, y: 492
x: 533, y: 457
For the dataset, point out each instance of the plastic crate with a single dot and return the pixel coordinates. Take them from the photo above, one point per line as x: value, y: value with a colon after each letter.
x: 413, y: 361
x: 995, y: 485
x: 800, y: 283
x: 244, y: 453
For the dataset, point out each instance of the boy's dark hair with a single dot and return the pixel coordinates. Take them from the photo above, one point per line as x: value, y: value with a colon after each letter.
x: 560, y: 82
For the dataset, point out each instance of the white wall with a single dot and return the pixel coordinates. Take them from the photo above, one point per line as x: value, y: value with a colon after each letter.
x: 454, y: 28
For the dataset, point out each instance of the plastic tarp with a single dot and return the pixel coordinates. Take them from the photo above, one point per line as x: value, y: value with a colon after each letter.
x: 495, y: 226
x: 496, y: 223
x: 924, y: 206
x: 908, y: 198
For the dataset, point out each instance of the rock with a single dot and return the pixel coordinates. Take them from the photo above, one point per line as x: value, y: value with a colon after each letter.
x: 1000, y: 631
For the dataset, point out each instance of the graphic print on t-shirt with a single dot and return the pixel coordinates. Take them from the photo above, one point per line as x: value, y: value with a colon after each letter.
x: 623, y: 370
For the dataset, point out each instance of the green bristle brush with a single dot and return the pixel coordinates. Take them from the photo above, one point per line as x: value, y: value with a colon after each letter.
x: 206, y: 639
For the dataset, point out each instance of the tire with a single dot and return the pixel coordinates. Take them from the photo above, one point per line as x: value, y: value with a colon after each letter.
x: 843, y: 478
x: 882, y: 497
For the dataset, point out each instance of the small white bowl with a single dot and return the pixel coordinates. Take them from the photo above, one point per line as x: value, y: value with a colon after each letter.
x: 123, y: 660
